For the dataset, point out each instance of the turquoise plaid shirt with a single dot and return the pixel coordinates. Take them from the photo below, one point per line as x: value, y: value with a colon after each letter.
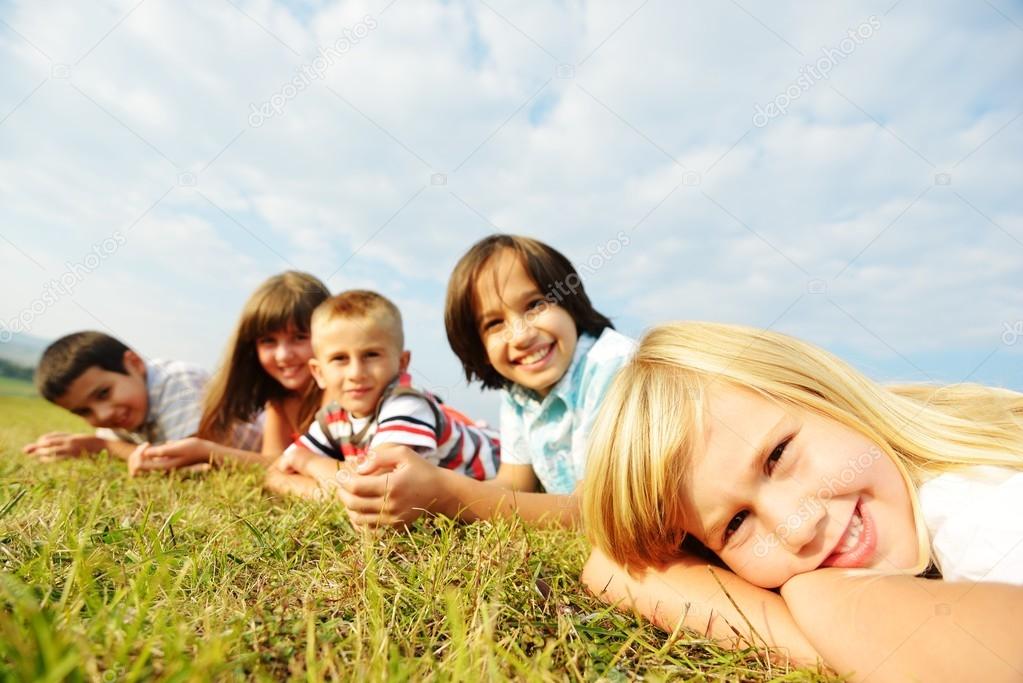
x: 550, y: 433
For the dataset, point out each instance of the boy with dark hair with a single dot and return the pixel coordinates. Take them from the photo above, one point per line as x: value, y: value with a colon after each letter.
x: 129, y: 400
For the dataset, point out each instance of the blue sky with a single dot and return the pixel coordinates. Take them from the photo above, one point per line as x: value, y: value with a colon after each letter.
x: 874, y: 210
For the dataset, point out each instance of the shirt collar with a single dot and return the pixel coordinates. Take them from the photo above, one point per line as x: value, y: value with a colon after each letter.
x: 564, y: 387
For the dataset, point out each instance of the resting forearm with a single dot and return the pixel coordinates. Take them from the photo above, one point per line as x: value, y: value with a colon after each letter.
x: 470, y: 500
x: 119, y: 449
x: 894, y: 628
x: 326, y: 471
x: 687, y: 591
x: 285, y: 484
x: 224, y: 455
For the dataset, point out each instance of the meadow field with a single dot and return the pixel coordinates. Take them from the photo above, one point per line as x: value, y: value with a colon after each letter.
x: 171, y: 578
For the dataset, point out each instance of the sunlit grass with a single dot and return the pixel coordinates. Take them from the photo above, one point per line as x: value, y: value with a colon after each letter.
x: 107, y: 578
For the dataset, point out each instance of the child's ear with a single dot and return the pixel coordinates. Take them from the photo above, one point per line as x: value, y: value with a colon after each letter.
x: 133, y: 363
x: 403, y: 363
x: 317, y: 373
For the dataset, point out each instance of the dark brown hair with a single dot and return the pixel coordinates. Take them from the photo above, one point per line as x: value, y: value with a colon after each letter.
x: 240, y: 388
x: 548, y: 268
x: 66, y: 359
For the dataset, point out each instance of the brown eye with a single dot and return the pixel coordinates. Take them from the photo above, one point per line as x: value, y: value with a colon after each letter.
x: 733, y: 524
x: 775, y: 456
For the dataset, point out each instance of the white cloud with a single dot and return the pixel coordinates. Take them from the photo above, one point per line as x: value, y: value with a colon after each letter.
x: 572, y: 157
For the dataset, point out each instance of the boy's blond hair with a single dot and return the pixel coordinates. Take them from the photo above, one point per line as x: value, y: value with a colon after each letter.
x: 652, y: 421
x: 360, y: 304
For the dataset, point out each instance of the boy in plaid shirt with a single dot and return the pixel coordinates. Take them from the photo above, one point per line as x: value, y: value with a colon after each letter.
x: 129, y: 400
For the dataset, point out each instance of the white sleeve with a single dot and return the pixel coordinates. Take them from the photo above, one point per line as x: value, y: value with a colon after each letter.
x: 179, y: 407
x: 514, y: 447
x: 976, y: 522
x: 406, y: 420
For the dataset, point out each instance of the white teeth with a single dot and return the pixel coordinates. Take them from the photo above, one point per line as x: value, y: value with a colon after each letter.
x: 534, y: 357
x: 852, y: 537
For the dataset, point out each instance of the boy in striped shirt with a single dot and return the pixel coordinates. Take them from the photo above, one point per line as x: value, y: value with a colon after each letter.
x: 360, y: 361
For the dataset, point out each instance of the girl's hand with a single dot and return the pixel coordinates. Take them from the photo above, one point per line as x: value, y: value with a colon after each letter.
x: 392, y: 486
x: 169, y: 456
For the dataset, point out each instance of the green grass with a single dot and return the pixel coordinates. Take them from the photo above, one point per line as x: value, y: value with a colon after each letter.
x: 16, y: 387
x: 105, y: 578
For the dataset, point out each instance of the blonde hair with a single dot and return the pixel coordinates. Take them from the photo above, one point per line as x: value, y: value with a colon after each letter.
x: 356, y: 304
x: 652, y: 421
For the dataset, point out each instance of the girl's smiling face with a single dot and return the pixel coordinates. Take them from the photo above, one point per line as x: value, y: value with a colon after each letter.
x: 284, y: 355
x: 529, y: 340
x: 778, y: 490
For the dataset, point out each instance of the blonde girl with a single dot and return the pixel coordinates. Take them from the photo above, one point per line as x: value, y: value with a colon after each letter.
x: 793, y: 468
x: 265, y: 371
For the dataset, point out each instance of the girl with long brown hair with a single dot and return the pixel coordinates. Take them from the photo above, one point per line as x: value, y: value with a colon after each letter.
x: 264, y: 377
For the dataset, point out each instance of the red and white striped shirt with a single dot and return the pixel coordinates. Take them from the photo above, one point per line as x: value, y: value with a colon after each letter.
x: 410, y: 418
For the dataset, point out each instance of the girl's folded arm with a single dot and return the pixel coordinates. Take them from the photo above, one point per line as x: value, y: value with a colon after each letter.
x: 881, y: 627
x: 687, y: 590
x: 276, y: 437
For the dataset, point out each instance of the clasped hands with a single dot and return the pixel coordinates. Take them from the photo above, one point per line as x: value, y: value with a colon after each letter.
x: 392, y: 485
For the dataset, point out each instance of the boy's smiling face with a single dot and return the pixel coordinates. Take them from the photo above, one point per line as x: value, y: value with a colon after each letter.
x: 105, y: 398
x: 355, y: 359
x: 529, y: 341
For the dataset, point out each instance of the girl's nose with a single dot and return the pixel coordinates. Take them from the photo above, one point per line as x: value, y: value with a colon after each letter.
x: 802, y: 524
x: 284, y: 352
x: 104, y: 414
x: 522, y: 332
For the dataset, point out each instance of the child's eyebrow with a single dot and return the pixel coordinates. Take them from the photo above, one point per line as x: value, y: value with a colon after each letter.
x: 518, y: 300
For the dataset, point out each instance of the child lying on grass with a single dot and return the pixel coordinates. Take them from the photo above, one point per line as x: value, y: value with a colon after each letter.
x: 360, y: 362
x: 265, y: 372
x: 129, y: 400
x: 802, y: 475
